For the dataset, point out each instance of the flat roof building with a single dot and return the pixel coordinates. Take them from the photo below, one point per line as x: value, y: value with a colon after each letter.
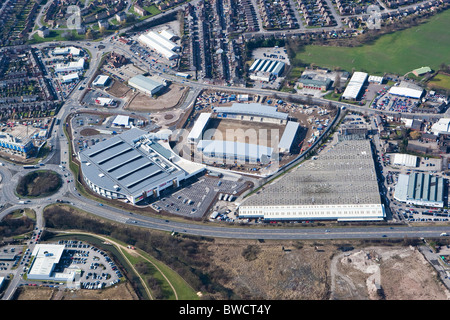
x: 71, y: 66
x: 121, y: 121
x: 146, y: 84
x: 309, y: 81
x: 163, y: 41
x: 406, y: 92
x: 133, y: 165
x: 353, y: 89
x: 441, y: 127
x: 406, y: 160
x: 288, y: 137
x: 70, y: 77
x: 338, y: 185
x: 63, y: 51
x: 101, y: 81
x: 150, y: 42
x: 46, y: 256
x: 195, y: 135
x: 376, y: 79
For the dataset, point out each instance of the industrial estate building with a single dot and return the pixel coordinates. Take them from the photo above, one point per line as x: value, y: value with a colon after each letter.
x: 71, y: 66
x: 288, y: 137
x: 196, y: 133
x: 134, y: 165
x: 407, y: 160
x: 441, y: 127
x: 273, y: 67
x: 406, y: 92
x: 338, y: 185
x: 146, y: 84
x: 161, y: 42
x: 420, y: 189
x: 266, y: 69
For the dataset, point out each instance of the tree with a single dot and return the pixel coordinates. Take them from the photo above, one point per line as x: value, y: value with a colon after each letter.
x: 415, y: 135
x: 337, y: 81
x: 89, y: 35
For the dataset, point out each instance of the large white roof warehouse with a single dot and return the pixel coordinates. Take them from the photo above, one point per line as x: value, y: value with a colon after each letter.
x: 406, y: 92
x: 406, y: 160
x: 159, y: 45
x: 441, y: 127
x: 339, y: 185
x: 196, y: 133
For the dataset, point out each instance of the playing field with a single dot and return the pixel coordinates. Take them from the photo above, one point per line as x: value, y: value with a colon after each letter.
x: 440, y: 81
x: 400, y: 52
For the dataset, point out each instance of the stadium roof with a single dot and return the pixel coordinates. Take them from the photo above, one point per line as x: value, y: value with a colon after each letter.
x: 253, y: 109
x: 163, y: 40
x: 288, y: 135
x: 199, y: 126
x: 100, y: 80
x: 70, y: 77
x: 231, y: 148
x: 345, y: 175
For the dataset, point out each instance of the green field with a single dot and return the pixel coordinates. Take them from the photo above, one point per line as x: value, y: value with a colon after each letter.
x: 425, y: 45
x: 440, y: 81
